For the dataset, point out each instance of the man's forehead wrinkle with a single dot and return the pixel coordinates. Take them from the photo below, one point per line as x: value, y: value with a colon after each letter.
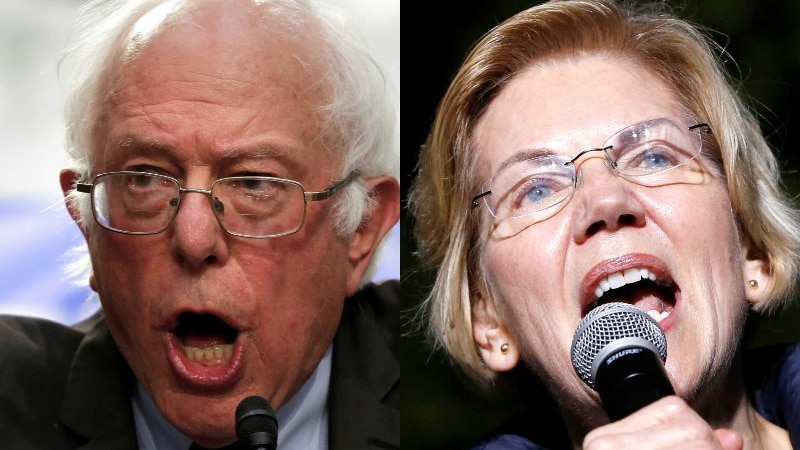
x: 212, y: 89
x: 180, y: 73
x: 231, y: 152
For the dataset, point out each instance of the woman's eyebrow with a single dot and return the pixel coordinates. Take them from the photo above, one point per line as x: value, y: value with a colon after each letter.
x: 524, y: 155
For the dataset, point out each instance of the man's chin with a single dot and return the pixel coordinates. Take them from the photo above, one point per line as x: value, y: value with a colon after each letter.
x: 210, y: 422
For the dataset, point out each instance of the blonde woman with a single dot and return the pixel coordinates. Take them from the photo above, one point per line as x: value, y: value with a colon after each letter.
x: 584, y: 141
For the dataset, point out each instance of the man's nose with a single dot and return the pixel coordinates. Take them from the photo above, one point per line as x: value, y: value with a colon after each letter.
x: 197, y: 238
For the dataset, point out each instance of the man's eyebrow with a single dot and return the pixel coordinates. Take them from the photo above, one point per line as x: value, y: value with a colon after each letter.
x: 134, y: 146
x: 141, y: 144
x: 256, y: 152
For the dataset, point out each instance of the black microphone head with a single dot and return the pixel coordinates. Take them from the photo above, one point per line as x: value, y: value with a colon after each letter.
x: 608, y: 328
x: 256, y: 424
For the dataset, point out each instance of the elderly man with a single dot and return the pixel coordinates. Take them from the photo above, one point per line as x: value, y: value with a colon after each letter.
x: 234, y: 172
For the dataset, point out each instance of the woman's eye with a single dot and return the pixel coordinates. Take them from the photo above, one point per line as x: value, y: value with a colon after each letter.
x: 649, y: 158
x: 531, y: 185
x: 655, y: 160
x: 539, y: 192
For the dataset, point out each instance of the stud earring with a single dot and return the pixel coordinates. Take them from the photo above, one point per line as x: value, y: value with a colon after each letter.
x: 504, y: 349
x: 753, y: 284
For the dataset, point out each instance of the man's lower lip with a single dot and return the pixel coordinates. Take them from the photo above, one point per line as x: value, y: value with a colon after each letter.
x: 194, y: 374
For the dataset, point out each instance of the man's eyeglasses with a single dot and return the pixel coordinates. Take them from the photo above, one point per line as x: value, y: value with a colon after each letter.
x: 131, y: 202
x: 533, y: 185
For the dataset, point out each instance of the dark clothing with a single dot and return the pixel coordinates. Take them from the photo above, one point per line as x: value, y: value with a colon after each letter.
x: 772, y: 375
x: 69, y: 387
x: 774, y: 381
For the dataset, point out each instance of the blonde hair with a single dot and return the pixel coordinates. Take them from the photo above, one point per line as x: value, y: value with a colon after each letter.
x: 676, y: 51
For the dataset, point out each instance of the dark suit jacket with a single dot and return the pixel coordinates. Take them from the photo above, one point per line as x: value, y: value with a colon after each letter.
x: 69, y: 387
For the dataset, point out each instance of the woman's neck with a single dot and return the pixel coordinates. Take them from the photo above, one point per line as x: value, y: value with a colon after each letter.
x: 728, y: 408
x: 757, y: 432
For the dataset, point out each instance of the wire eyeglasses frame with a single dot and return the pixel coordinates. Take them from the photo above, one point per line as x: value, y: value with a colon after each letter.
x: 83, y: 186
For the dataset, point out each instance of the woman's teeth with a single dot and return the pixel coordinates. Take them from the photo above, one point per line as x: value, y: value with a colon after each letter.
x: 658, y: 316
x: 619, y: 279
x: 212, y: 355
x: 629, y: 276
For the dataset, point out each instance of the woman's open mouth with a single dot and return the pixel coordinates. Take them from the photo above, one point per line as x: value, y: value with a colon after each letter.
x: 640, y: 287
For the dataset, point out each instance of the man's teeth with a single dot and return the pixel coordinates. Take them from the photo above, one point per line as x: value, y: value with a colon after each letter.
x: 212, y: 355
x: 619, y: 279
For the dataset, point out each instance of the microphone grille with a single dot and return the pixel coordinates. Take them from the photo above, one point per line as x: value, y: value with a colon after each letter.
x: 608, y: 323
x: 255, y: 414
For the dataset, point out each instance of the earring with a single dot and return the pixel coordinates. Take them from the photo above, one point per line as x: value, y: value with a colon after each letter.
x: 504, y: 349
x: 753, y: 284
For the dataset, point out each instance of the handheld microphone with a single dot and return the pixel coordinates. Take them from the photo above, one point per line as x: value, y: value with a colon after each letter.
x: 256, y: 424
x: 619, y: 351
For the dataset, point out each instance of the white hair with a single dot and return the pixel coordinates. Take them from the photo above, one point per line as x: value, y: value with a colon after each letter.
x: 362, y: 116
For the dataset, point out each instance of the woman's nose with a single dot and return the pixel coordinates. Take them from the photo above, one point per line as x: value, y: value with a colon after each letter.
x: 604, y: 200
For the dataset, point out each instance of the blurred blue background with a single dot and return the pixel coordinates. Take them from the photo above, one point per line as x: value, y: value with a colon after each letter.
x: 36, y: 233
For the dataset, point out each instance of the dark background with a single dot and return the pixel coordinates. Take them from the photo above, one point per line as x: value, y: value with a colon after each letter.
x: 763, y: 39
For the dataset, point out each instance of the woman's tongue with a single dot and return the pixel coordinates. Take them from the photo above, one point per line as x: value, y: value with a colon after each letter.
x: 648, y: 299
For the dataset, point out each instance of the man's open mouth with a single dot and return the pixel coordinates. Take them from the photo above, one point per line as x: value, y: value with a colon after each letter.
x: 205, y: 338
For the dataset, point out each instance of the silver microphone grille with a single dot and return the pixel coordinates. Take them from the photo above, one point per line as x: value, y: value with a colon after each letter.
x: 612, y: 322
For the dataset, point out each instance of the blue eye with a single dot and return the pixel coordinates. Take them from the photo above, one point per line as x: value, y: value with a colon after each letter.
x: 655, y: 160
x: 539, y: 192
x: 531, y: 185
x: 649, y: 158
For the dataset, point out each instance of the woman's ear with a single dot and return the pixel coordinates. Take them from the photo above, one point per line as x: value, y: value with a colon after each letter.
x: 758, y: 278
x: 498, y: 349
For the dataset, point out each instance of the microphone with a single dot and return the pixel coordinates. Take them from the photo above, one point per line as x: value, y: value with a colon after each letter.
x: 256, y: 424
x: 619, y: 351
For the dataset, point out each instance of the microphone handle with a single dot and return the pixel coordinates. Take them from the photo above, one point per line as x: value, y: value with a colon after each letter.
x: 630, y: 379
x: 260, y: 440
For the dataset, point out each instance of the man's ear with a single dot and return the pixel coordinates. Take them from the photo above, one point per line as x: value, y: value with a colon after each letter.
x: 498, y: 349
x: 758, y: 278
x: 67, y: 178
x: 383, y: 214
